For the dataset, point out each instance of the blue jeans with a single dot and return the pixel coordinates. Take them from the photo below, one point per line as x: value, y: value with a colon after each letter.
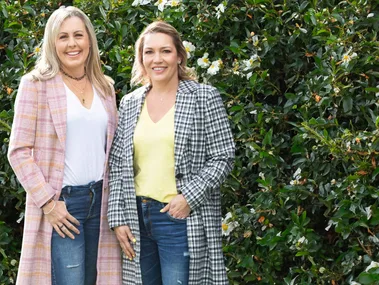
x: 164, y: 245
x: 74, y: 261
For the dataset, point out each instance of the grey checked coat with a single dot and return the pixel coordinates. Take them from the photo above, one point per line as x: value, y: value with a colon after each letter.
x: 204, y: 154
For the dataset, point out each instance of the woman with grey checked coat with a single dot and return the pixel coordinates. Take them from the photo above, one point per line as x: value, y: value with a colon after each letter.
x: 172, y: 150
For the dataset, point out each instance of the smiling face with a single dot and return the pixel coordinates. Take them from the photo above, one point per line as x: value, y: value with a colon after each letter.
x: 72, y: 46
x: 160, y: 59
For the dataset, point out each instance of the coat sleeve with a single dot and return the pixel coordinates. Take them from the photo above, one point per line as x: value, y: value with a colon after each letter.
x: 116, y: 202
x: 219, y: 152
x: 21, y: 144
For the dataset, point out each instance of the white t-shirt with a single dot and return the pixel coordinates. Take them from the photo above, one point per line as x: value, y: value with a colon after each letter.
x: 86, y: 138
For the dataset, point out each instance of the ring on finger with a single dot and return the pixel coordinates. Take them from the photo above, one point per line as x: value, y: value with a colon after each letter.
x: 61, y: 226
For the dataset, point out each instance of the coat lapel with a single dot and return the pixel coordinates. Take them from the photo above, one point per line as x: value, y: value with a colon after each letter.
x: 133, y: 106
x: 184, y: 111
x: 57, y: 101
x: 109, y: 107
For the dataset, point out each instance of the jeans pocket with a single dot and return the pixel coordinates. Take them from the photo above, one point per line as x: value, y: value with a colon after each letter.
x: 176, y: 219
x: 63, y: 198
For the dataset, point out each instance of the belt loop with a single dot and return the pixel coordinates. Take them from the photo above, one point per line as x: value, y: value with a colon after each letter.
x: 68, y: 190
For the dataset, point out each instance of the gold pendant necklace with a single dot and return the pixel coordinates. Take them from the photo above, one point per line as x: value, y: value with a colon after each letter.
x: 80, y: 91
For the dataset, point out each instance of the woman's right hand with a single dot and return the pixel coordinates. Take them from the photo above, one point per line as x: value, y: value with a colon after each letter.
x: 61, y: 220
x: 125, y: 238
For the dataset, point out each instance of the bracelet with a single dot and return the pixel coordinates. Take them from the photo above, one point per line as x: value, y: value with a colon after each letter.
x: 52, y: 208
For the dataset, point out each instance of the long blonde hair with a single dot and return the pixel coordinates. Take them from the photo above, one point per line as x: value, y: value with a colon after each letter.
x: 139, y: 75
x: 48, y: 63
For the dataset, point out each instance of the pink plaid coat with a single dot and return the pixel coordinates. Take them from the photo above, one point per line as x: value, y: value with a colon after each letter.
x: 36, y: 154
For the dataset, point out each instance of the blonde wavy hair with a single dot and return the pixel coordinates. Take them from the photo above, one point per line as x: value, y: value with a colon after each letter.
x: 139, y: 75
x: 48, y: 63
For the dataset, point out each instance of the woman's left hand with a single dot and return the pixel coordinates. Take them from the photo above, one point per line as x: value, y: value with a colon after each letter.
x: 178, y: 207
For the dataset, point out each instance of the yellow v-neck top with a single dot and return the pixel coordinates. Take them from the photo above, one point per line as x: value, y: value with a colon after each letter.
x: 154, y: 164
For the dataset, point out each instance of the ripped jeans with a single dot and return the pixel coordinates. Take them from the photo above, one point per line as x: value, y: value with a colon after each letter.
x: 164, y: 245
x: 74, y: 261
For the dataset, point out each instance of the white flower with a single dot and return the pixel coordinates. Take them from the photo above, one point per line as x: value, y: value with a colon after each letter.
x: 249, y: 63
x: 254, y: 112
x: 373, y: 264
x: 161, y: 4
x: 249, y: 75
x: 336, y: 90
x: 174, y: 3
x: 252, y: 211
x: 220, y: 9
x: 294, y: 182
x: 368, y: 212
x: 347, y: 57
x: 321, y: 270
x: 141, y: 2
x: 354, y: 283
x: 370, y: 15
x: 255, y: 40
x: 262, y: 175
x: 228, y: 227
x: 297, y: 173
x: 302, y: 240
x: 189, y: 48
x: 214, y: 68
x: 330, y: 223
x: 333, y: 181
x: 204, y: 61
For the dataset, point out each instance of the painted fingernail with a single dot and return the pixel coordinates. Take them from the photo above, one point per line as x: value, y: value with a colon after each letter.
x: 134, y: 240
x: 161, y: 211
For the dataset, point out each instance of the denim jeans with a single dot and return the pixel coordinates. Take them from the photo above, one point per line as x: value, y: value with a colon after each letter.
x: 74, y: 261
x: 164, y: 245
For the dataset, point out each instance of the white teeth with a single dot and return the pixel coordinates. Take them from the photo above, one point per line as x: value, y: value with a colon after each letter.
x: 73, y: 53
x: 158, y: 68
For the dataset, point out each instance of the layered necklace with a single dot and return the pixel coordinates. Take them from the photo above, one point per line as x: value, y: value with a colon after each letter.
x: 79, y: 91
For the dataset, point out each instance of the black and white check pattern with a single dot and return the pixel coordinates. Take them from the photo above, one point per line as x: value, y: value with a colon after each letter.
x: 204, y: 155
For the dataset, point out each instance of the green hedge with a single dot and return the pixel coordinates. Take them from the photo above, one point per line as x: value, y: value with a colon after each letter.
x: 300, y: 81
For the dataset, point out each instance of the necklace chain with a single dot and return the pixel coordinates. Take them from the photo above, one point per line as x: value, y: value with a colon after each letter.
x: 80, y: 91
x: 73, y: 77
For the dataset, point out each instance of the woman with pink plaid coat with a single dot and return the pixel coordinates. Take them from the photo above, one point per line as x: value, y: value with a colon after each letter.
x: 64, y: 123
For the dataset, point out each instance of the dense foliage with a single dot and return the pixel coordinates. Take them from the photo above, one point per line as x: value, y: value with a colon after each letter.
x: 300, y: 81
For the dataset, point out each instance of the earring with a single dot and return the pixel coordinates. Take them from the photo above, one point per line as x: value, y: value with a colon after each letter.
x: 179, y: 62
